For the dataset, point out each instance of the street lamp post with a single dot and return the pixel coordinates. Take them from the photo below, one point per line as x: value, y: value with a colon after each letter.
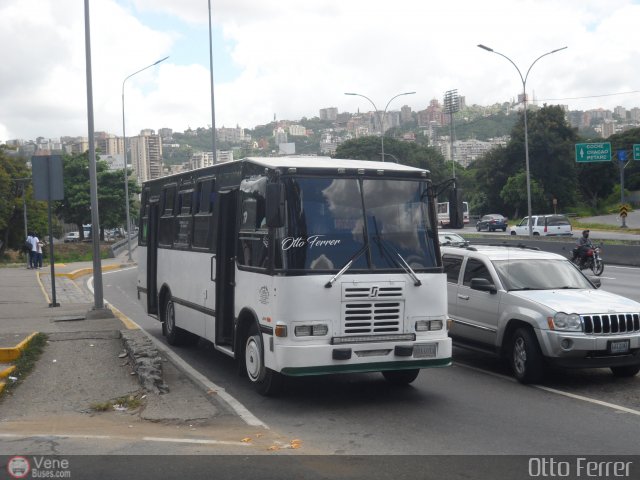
x: 124, y: 143
x: 381, y: 118
x: 526, y: 133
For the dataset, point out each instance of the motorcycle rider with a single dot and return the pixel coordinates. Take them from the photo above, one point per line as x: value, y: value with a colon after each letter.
x: 584, y: 244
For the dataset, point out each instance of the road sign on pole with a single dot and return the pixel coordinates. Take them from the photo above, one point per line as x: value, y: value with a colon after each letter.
x: 636, y: 151
x: 593, y: 152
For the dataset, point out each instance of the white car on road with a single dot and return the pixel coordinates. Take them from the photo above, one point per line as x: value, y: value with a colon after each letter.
x: 545, y: 225
x: 536, y: 309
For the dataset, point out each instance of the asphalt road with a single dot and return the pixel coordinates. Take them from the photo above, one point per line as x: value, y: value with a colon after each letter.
x: 473, y: 407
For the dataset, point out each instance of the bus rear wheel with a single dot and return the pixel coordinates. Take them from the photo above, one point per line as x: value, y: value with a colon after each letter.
x: 265, y: 381
x: 401, y: 377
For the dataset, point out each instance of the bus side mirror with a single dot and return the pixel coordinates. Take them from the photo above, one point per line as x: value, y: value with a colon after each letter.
x: 275, y: 205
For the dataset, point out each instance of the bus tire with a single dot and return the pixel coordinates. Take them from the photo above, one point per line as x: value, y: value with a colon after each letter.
x: 265, y: 381
x: 175, y: 335
x: 401, y: 377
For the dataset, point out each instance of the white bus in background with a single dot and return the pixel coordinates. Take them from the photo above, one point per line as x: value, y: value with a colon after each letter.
x: 298, y: 266
x: 444, y: 215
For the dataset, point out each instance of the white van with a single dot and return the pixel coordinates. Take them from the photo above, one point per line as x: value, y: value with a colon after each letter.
x: 546, y: 225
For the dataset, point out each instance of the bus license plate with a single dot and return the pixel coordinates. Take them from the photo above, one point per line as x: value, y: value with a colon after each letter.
x: 425, y: 350
x: 618, y: 346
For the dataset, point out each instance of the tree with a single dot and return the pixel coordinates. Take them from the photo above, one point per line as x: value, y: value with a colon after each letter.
x: 368, y: 148
x: 551, y: 162
x: 75, y: 208
x: 11, y: 207
x: 514, y: 194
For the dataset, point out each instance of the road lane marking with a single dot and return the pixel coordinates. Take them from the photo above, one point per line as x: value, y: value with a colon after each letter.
x: 121, y: 437
x: 589, y: 400
x: 613, y: 406
x: 197, y: 377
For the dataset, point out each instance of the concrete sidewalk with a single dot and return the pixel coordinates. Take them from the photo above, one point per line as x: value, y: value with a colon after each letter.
x: 91, y: 362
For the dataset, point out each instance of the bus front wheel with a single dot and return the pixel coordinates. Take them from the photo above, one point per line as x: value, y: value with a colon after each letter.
x: 175, y: 335
x: 265, y: 381
x: 401, y: 377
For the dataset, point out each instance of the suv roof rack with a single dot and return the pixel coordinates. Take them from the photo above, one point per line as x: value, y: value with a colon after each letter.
x: 519, y: 245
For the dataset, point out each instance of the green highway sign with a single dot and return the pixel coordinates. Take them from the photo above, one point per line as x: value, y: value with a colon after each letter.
x: 636, y: 151
x: 593, y: 152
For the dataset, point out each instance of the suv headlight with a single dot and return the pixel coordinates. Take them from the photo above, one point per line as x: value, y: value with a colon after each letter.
x: 566, y: 321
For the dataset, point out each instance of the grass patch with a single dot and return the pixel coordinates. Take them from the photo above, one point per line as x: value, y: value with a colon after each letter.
x: 24, y: 365
x: 63, y: 253
x: 130, y: 402
x: 578, y: 225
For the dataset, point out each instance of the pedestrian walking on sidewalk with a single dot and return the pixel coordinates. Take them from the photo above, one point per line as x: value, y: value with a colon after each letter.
x: 29, y: 248
x: 37, y: 251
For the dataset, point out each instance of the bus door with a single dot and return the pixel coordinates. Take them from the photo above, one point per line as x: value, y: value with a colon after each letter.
x: 225, y: 266
x: 152, y: 258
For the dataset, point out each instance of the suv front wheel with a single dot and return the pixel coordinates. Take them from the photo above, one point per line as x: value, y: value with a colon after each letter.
x: 525, y: 356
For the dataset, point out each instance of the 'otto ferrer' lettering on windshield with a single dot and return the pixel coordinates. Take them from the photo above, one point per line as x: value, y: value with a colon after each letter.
x: 311, y: 241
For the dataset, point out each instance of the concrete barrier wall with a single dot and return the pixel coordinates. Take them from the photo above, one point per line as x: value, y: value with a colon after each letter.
x: 613, y: 254
x: 121, y: 245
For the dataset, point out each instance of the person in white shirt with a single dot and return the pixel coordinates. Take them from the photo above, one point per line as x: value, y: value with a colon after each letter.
x: 37, y: 251
x: 29, y: 241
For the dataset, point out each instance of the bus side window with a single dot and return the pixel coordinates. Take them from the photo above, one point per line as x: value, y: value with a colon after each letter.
x: 203, y: 227
x: 144, y: 218
x: 252, y: 238
x: 168, y: 199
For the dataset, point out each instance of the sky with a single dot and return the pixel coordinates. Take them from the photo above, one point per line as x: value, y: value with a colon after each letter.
x: 288, y: 59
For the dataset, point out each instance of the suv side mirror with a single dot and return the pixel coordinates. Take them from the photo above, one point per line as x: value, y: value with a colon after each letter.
x: 275, y: 205
x: 483, y: 285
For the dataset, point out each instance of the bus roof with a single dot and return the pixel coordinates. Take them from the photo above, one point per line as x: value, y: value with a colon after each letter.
x: 301, y: 161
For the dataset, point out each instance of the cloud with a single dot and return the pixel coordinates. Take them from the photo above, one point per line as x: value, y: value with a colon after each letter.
x: 293, y: 58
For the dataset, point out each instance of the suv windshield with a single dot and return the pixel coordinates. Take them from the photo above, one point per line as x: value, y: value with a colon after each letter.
x: 539, y: 274
x: 329, y: 220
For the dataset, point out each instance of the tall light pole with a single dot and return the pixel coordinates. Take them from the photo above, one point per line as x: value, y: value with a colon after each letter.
x: 124, y: 142
x: 213, y: 110
x: 381, y: 118
x: 526, y: 134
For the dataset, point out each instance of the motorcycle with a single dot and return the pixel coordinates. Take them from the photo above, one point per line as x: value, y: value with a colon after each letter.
x: 591, y: 259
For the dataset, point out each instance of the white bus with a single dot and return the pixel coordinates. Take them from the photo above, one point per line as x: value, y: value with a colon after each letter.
x: 444, y: 216
x: 298, y: 266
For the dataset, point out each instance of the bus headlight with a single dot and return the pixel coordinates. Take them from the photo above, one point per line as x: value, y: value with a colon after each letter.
x: 313, y: 330
x: 428, y: 325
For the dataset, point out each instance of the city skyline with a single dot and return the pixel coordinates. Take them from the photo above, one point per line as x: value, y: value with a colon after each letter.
x: 289, y: 58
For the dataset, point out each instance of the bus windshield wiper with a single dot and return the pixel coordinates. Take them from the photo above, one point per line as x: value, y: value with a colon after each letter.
x: 386, y: 246
x: 355, y: 257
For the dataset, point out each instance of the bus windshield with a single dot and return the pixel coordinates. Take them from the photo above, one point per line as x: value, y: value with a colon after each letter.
x: 330, y: 220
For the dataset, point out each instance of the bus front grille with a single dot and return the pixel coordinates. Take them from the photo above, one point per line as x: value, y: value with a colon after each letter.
x: 372, y: 317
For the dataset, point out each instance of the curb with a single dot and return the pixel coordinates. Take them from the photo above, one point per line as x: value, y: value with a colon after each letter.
x: 88, y: 270
x: 11, y: 354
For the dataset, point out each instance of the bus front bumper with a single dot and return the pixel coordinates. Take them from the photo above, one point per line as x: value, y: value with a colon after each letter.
x: 304, y: 360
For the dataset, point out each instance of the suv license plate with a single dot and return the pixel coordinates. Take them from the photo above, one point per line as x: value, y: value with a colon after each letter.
x: 425, y: 350
x: 618, y: 346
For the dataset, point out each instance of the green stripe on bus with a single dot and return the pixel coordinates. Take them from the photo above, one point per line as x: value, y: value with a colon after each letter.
x: 365, y: 367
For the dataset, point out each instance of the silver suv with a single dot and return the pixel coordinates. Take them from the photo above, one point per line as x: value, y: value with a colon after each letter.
x: 536, y: 308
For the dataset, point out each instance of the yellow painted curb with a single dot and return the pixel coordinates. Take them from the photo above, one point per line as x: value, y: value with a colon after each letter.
x: 7, y: 371
x: 87, y: 271
x: 1, y: 386
x: 13, y: 353
x: 130, y: 324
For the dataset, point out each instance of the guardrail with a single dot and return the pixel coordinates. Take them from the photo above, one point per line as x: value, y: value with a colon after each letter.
x: 613, y: 254
x: 121, y: 245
